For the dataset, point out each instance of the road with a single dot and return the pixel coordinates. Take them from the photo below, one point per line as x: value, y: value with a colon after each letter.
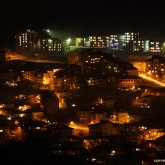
x: 156, y: 82
x: 15, y: 56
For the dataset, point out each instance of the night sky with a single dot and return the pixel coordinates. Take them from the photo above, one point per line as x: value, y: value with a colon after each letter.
x: 82, y: 17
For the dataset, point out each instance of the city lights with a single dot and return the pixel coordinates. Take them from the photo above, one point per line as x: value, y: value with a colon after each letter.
x: 82, y: 82
x: 153, y: 80
x: 78, y: 128
x: 86, y: 101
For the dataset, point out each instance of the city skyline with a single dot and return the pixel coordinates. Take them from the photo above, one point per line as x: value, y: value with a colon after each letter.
x: 82, y: 18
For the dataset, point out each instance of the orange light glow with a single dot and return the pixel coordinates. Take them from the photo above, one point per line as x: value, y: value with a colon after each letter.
x: 79, y: 127
x: 151, y: 79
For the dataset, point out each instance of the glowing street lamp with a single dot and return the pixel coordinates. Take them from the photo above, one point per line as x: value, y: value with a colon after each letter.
x: 73, y: 105
x: 68, y: 41
x: 48, y: 30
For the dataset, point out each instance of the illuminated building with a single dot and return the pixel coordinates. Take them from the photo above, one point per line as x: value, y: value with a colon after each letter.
x: 89, y: 61
x: 128, y: 41
x: 121, y: 41
x: 138, y: 45
x: 48, y: 44
x: 155, y: 46
x: 114, y: 41
x: 152, y: 134
x: 123, y: 117
x: 62, y: 96
x: 39, y: 77
x: 79, y: 42
x: 139, y: 61
x: 37, y: 115
x: 93, y: 42
x: 142, y: 102
x: 29, y: 75
x: 118, y: 68
x: 152, y: 46
x: 132, y: 71
x: 24, y: 107
x: 98, y: 41
x: 90, y: 116
x: 120, y: 118
x: 37, y: 43
x: 111, y: 41
x: 141, y: 66
x: 51, y: 45
x: 28, y: 40
x: 156, y: 67
x: 128, y: 82
x: 97, y: 80
x: 84, y: 116
x: 104, y: 128
x: 131, y: 36
x: 96, y: 117
x: 97, y: 67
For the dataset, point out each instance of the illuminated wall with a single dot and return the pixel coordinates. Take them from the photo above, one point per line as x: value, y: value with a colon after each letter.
x: 51, y: 45
x: 141, y: 66
x: 27, y: 39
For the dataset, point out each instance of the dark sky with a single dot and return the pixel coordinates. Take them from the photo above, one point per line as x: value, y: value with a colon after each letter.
x: 82, y: 17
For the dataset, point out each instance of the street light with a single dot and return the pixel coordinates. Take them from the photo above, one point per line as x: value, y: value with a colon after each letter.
x: 68, y: 41
x: 48, y: 30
